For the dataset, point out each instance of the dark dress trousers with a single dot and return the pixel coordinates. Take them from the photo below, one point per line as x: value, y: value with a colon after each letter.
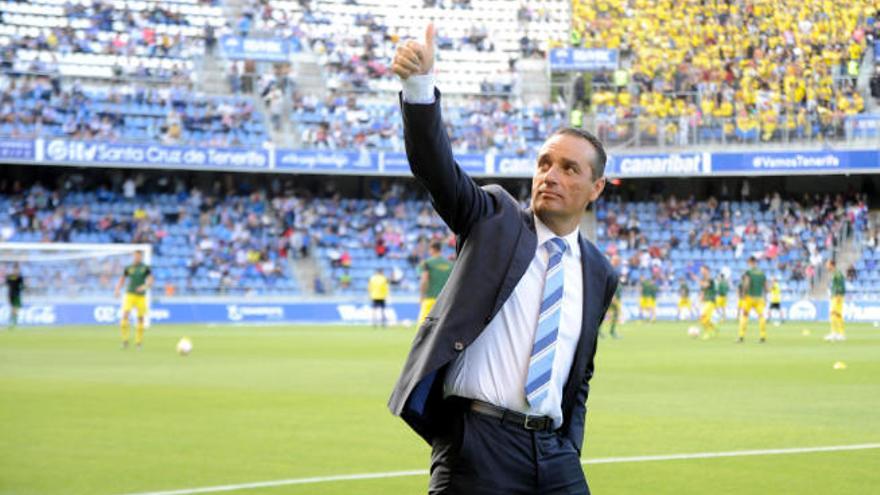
x: 496, y: 242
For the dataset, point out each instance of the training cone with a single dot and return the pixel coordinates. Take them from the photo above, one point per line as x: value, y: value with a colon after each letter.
x: 840, y: 365
x: 805, y: 332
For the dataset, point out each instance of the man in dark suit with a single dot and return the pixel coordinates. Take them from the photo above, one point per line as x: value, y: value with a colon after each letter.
x: 498, y: 374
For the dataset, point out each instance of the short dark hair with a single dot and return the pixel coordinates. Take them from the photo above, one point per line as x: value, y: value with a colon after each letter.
x: 601, y: 156
x: 752, y: 259
x: 436, y: 246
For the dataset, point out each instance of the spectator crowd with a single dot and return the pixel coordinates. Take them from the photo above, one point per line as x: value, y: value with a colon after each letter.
x: 741, y: 71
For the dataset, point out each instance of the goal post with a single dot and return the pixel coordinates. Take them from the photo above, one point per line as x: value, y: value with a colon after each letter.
x: 56, y: 273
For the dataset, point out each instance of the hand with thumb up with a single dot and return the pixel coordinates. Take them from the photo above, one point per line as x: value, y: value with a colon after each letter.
x: 414, y: 58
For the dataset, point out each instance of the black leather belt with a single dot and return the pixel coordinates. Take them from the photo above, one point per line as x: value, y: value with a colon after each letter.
x: 524, y: 421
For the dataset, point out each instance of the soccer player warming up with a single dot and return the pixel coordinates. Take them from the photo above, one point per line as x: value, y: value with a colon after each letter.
x: 648, y: 300
x: 685, y: 311
x: 14, y: 288
x: 378, y: 290
x: 721, y: 289
x: 140, y: 279
x: 776, y: 302
x: 707, y: 311
x: 435, y: 273
x: 838, y: 291
x: 613, y: 314
x: 755, y: 292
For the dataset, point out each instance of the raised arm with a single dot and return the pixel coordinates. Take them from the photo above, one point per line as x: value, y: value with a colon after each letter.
x: 455, y: 196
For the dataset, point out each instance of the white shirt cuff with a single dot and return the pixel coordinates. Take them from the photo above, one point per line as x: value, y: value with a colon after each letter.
x: 419, y: 89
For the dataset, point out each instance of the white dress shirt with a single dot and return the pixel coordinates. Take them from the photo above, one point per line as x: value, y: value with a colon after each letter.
x: 495, y: 366
x: 419, y: 89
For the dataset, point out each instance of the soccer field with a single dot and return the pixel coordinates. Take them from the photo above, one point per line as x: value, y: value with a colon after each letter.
x: 261, y: 404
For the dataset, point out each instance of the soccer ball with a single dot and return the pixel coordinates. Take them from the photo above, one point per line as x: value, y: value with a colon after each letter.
x: 184, y: 346
x: 694, y: 332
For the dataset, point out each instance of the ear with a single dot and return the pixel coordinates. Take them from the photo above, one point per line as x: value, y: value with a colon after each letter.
x: 596, y: 189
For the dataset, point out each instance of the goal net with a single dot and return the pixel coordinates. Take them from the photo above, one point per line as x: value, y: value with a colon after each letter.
x: 67, y: 274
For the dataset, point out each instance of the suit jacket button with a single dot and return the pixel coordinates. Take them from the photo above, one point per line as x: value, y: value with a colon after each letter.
x: 458, y: 346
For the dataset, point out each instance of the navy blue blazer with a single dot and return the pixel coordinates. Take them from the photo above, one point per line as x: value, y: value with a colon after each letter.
x: 496, y: 243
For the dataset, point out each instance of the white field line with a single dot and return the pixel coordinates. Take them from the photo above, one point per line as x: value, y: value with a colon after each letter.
x: 424, y: 472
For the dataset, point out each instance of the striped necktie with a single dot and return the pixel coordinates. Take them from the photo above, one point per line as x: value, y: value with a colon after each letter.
x: 544, y: 348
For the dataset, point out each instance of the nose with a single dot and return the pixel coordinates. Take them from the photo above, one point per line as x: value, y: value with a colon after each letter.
x: 550, y: 175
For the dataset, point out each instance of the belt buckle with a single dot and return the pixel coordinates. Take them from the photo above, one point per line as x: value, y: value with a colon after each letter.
x: 530, y: 423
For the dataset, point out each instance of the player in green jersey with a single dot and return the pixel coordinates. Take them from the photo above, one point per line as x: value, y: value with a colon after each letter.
x: 140, y: 279
x: 648, y: 299
x: 755, y: 292
x: 838, y: 293
x: 613, y: 314
x: 722, y: 288
x: 14, y: 288
x: 707, y: 296
x: 435, y: 272
x: 684, y: 301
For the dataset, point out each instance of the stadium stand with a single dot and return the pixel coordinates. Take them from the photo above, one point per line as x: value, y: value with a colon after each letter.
x: 391, y: 235
x: 669, y: 240
x: 208, y: 244
x: 863, y: 278
x: 106, y: 40
x: 40, y: 106
x: 751, y: 73
x: 479, y: 43
x: 202, y: 245
x: 116, y: 72
x: 474, y: 124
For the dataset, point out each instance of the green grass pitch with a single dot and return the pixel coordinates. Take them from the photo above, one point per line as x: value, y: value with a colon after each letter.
x: 80, y: 416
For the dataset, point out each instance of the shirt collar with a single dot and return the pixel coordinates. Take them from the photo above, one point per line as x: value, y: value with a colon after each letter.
x: 572, y: 238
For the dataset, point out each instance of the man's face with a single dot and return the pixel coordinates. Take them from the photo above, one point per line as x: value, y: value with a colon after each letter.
x: 138, y: 257
x: 563, y: 184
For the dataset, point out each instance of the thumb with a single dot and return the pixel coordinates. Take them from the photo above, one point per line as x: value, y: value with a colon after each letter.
x: 430, y: 31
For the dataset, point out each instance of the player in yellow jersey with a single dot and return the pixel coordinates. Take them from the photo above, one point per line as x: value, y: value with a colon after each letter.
x: 755, y: 292
x: 615, y: 309
x: 776, y: 302
x: 378, y: 290
x: 707, y: 309
x: 140, y: 279
x: 684, y: 301
x: 721, y: 290
x: 435, y: 273
x: 741, y: 295
x: 838, y: 292
x: 648, y: 300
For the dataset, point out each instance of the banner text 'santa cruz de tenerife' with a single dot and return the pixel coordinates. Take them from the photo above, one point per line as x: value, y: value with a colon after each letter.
x: 61, y: 151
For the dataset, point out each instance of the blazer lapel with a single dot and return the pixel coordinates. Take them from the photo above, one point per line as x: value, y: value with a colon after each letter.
x: 524, y: 246
x: 592, y: 296
x: 593, y: 291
